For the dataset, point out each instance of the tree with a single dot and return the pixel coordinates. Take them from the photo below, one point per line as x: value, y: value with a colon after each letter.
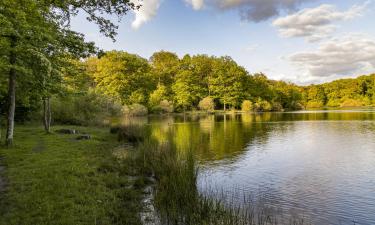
x: 227, y: 83
x: 24, y: 28
x: 247, y: 106
x: 164, y: 67
x: 124, y: 76
x: 188, y: 88
x: 183, y: 89
x: 202, y: 67
x: 158, y: 95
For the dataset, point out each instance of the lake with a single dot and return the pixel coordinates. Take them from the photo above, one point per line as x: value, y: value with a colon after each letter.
x: 319, y: 164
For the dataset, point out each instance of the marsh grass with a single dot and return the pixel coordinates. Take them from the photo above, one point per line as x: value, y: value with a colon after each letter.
x: 178, y: 201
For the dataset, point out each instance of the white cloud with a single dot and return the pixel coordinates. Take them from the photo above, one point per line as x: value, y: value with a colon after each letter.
x: 147, y: 11
x: 347, y: 56
x: 251, y: 10
x: 196, y: 4
x: 316, y: 23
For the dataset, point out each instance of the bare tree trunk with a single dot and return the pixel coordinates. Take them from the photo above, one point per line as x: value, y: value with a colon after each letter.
x: 11, y: 94
x: 47, y: 116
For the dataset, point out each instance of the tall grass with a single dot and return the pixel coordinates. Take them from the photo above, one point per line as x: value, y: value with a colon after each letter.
x: 178, y: 201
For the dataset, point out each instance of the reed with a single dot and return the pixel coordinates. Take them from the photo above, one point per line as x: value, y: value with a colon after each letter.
x: 178, y: 201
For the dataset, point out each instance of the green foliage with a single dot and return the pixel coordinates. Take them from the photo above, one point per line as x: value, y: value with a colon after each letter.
x: 314, y: 104
x: 247, y: 106
x: 186, y: 93
x: 277, y: 107
x: 89, y: 109
x: 262, y: 105
x: 135, y: 110
x: 351, y: 103
x: 157, y: 96
x: 164, y: 67
x: 164, y: 106
x: 185, y: 82
x: 227, y: 82
x: 341, y: 93
x: 124, y: 76
x: 207, y: 104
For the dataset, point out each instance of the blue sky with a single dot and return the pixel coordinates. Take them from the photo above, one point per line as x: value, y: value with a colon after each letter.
x: 310, y: 41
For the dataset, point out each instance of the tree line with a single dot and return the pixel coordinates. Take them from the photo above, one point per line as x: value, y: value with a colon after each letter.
x: 341, y: 93
x: 166, y: 82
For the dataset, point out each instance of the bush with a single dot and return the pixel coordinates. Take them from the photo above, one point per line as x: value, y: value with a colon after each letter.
x: 314, y: 104
x: 166, y: 106
x: 333, y: 103
x: 298, y: 106
x: 277, y: 107
x: 247, y: 106
x: 207, y: 104
x: 262, y: 106
x: 135, y: 110
x: 351, y: 103
x: 88, y: 109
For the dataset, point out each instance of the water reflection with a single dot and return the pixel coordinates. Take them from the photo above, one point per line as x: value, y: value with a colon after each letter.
x: 320, y: 163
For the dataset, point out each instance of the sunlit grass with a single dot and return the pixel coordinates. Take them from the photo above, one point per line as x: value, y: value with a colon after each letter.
x: 54, y: 179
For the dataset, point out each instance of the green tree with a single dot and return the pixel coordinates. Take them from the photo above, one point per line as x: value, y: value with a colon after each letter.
x: 227, y: 82
x: 124, y: 76
x: 158, y: 95
x: 164, y: 67
x: 247, y: 106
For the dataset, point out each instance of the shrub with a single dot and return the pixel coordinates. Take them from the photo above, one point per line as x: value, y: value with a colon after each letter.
x: 135, y: 110
x: 206, y: 104
x: 351, y: 103
x: 298, y: 106
x: 166, y: 106
x: 247, y: 106
x: 276, y: 106
x: 262, y: 106
x: 315, y: 104
x: 88, y: 109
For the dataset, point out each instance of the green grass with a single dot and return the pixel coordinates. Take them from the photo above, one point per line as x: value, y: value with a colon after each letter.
x: 54, y: 179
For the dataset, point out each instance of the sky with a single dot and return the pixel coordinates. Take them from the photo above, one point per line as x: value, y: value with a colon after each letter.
x: 302, y: 41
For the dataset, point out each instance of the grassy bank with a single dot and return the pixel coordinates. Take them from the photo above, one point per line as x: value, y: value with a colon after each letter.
x: 55, y: 179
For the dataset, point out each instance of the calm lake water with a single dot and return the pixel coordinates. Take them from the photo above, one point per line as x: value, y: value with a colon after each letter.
x: 320, y: 164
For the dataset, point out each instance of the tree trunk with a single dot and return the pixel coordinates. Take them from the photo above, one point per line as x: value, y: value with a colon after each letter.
x: 225, y: 107
x: 11, y: 94
x: 47, y: 116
